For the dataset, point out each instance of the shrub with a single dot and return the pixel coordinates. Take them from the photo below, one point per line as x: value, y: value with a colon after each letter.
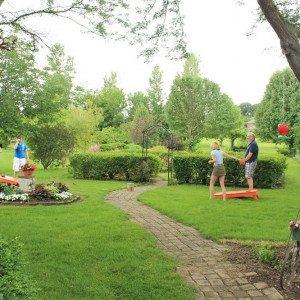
x: 109, y: 165
x: 112, y: 146
x: 10, y: 190
x: 266, y: 253
x: 191, y: 168
x: 14, y: 283
x: 133, y: 147
x: 40, y: 193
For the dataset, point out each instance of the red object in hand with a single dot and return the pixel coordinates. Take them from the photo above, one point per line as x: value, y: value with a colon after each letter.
x: 283, y: 129
x: 242, y: 162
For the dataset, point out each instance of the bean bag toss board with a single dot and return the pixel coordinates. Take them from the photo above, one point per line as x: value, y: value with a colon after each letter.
x: 8, y: 179
x: 239, y: 194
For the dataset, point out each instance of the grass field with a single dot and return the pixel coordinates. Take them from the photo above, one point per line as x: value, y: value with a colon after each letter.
x: 239, y: 218
x: 88, y: 250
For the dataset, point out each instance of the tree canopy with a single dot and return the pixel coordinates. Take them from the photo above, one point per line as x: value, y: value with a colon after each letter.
x: 152, y: 24
x: 280, y: 104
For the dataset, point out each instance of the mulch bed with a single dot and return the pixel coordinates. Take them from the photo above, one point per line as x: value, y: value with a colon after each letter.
x: 246, y: 257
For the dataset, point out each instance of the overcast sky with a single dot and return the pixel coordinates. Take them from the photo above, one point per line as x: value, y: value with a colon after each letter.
x: 216, y: 32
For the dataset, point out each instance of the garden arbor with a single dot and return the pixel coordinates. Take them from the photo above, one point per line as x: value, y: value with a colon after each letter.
x: 146, y: 134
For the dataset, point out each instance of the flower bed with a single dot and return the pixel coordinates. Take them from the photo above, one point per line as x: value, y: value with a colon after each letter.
x: 50, y: 194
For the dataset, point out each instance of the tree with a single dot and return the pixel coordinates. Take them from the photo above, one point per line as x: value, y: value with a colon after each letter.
x: 112, y: 100
x: 142, y: 119
x: 56, y: 84
x: 223, y: 118
x: 185, y: 108
x: 84, y: 123
x: 279, y: 104
x: 105, y: 18
x: 284, y: 18
x: 113, y: 135
x: 19, y: 82
x: 50, y: 143
x: 153, y: 24
x: 155, y: 95
x: 248, y: 109
x: 133, y: 102
x: 191, y: 66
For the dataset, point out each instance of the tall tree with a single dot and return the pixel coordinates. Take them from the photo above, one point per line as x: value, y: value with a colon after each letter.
x: 186, y: 108
x: 84, y: 123
x: 19, y: 82
x: 191, y: 66
x: 133, y: 102
x: 280, y: 104
x: 112, y: 100
x: 56, y: 79
x: 142, y: 119
x: 223, y: 118
x: 155, y: 95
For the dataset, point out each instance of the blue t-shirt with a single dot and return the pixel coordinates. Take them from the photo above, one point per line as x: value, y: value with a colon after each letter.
x: 219, y: 156
x: 20, y: 151
x: 252, y: 148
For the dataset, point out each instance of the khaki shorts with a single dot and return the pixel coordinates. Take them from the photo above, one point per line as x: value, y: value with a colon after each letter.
x: 18, y: 163
x: 219, y: 170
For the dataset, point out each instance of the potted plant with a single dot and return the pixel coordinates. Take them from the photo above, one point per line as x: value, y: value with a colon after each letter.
x: 28, y: 169
x: 295, y: 228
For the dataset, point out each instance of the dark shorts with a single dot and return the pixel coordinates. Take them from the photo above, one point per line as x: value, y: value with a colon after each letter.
x: 219, y: 170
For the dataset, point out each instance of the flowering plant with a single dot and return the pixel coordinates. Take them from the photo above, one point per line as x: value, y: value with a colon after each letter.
x: 294, y: 225
x: 28, y: 167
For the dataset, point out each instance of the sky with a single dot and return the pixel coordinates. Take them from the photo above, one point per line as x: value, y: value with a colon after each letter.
x: 216, y: 32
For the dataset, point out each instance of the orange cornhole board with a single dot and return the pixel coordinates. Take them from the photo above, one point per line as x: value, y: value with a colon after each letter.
x: 8, y: 179
x: 238, y: 194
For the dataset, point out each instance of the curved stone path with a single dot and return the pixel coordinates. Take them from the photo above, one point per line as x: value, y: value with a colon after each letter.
x: 201, y: 261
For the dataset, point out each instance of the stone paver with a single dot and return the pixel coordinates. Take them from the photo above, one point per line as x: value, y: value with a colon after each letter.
x: 201, y: 262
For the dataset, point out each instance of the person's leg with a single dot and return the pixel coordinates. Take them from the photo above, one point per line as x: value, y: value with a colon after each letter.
x: 249, y: 171
x: 16, y: 166
x: 213, y: 179
x: 250, y: 183
x: 222, y: 184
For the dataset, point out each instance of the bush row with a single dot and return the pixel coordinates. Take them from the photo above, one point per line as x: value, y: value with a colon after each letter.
x: 113, y: 165
x: 191, y: 168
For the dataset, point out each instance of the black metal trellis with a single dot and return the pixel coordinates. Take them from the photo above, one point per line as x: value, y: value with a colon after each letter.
x: 170, y: 149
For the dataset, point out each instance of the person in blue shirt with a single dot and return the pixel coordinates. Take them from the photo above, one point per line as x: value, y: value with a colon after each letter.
x: 250, y: 159
x: 219, y: 169
x: 21, y: 154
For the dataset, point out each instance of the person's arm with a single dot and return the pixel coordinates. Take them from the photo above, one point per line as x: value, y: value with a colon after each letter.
x: 230, y: 156
x: 27, y: 155
x: 16, y: 145
x: 213, y: 160
x: 248, y: 156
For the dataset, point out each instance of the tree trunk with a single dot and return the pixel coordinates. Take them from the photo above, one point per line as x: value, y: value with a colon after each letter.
x: 287, y: 33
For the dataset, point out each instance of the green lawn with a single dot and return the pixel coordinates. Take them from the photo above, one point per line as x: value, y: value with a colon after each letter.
x: 239, y: 218
x: 89, y: 250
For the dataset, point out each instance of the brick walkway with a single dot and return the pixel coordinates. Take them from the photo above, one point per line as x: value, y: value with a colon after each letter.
x: 201, y: 262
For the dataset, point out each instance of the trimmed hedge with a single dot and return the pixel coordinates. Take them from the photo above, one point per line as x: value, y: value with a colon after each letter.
x: 191, y: 168
x: 14, y: 284
x: 112, y: 165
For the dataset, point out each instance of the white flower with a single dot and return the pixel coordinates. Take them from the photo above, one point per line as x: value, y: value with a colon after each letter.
x: 62, y: 195
x: 14, y: 197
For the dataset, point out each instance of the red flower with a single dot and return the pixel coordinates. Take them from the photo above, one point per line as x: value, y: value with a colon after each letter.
x: 28, y: 167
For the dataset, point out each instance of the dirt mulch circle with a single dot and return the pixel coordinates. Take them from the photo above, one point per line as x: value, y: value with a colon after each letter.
x: 246, y: 257
x: 34, y: 202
